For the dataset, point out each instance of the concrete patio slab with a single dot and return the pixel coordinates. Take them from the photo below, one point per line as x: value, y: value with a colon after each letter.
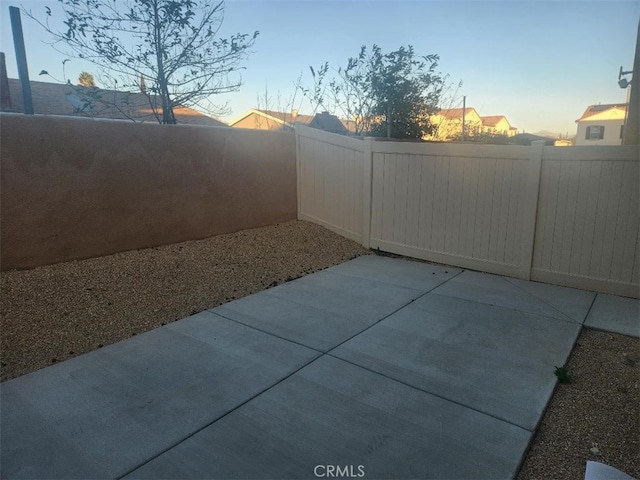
x: 332, y: 413
x: 397, y: 271
x: 615, y: 314
x: 304, y: 324
x: 332, y: 306
x: 407, y: 369
x: 100, y: 414
x: 532, y: 297
x: 347, y: 296
x: 488, y: 358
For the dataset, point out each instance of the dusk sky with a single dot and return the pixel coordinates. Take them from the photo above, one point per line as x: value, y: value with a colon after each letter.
x: 540, y: 63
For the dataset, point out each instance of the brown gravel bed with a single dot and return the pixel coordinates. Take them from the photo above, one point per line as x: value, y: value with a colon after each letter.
x: 53, y: 313
x: 599, y: 409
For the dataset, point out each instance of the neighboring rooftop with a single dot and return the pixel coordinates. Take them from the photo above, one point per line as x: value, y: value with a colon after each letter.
x: 75, y: 100
x: 492, y: 120
x: 595, y: 109
x: 452, y: 113
x: 329, y: 123
x: 288, y: 117
x: 271, y: 119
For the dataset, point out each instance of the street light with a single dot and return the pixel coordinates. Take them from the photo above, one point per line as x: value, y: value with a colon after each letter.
x: 623, y: 82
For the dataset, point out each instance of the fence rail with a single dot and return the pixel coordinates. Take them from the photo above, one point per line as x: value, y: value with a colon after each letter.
x: 569, y: 216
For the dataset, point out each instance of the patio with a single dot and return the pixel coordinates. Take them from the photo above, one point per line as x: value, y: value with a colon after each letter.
x: 380, y: 366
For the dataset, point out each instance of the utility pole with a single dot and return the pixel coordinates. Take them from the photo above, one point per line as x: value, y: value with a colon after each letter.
x: 631, y: 132
x: 464, y: 108
x: 21, y: 59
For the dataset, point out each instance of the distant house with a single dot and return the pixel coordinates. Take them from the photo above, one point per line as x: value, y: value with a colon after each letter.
x: 75, y: 100
x: 527, y: 138
x: 272, y: 120
x: 601, y: 125
x: 448, y: 123
x: 329, y: 123
x: 497, y: 125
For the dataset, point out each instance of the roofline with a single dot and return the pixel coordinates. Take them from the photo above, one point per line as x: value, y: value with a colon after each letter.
x: 459, y: 108
x: 614, y: 107
x: 219, y: 123
x: 257, y: 112
x: 619, y: 106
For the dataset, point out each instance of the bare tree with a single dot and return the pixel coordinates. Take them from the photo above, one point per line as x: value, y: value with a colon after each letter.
x: 449, y: 98
x: 289, y: 106
x: 169, y: 49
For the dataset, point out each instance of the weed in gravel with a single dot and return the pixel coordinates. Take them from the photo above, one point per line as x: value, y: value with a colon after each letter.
x: 563, y: 374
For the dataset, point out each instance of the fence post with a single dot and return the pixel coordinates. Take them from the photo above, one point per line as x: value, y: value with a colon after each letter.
x: 367, y: 180
x: 298, y: 174
x: 530, y: 204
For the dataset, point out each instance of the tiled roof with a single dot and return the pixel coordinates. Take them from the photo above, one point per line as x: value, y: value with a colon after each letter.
x: 452, y: 113
x: 329, y: 123
x: 492, y: 120
x: 593, y: 109
x: 67, y: 99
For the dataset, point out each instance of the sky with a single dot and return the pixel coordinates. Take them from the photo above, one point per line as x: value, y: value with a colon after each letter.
x: 539, y: 63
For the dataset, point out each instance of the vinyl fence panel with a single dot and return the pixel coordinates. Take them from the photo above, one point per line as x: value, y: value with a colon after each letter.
x: 563, y: 215
x: 455, y: 204
x: 587, y: 229
x: 330, y: 181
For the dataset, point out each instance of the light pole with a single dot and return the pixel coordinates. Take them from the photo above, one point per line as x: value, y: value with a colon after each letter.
x: 625, y: 84
x: 631, y: 132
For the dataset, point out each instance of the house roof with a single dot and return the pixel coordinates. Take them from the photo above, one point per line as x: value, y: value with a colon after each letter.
x: 329, y: 123
x: 66, y: 99
x: 493, y: 120
x: 288, y: 117
x: 595, y: 109
x: 283, y: 118
x: 527, y: 138
x: 453, y: 113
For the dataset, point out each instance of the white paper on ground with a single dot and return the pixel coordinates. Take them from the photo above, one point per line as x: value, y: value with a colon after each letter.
x: 600, y: 471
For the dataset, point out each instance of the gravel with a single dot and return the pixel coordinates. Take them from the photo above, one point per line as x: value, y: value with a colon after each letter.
x: 52, y: 313
x: 595, y: 417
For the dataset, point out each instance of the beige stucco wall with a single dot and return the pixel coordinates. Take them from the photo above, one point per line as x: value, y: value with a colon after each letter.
x: 611, y: 132
x: 500, y: 128
x: 448, y: 128
x: 75, y: 188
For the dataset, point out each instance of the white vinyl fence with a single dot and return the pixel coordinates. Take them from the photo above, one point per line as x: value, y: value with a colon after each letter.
x: 563, y: 215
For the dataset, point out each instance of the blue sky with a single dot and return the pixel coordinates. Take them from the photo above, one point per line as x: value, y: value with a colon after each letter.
x: 540, y: 63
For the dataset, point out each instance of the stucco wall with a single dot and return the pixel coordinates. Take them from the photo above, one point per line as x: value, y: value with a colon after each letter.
x: 75, y: 188
x: 611, y: 132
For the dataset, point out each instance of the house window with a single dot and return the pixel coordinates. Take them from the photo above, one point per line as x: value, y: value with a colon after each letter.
x: 595, y: 132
